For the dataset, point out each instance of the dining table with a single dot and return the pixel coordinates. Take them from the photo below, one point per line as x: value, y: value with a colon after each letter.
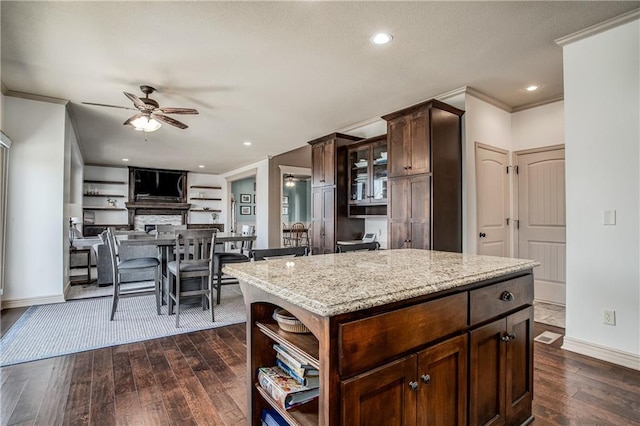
x: 165, y: 242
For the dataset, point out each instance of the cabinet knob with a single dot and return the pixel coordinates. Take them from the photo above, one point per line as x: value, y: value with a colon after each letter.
x: 413, y: 386
x: 507, y: 296
x: 409, y: 167
x: 508, y: 337
x: 426, y: 378
x: 321, y: 180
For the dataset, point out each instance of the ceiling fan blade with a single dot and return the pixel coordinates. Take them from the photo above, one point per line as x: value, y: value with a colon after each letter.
x: 110, y: 106
x: 136, y: 100
x: 178, y: 110
x: 169, y: 120
x: 130, y: 119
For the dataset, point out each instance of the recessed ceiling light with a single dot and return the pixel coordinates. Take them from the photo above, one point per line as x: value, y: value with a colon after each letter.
x: 247, y: 143
x: 125, y: 159
x: 532, y: 88
x: 381, y: 38
x: 201, y: 166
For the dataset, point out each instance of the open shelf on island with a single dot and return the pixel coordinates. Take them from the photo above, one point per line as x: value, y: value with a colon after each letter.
x: 302, y: 415
x: 304, y: 346
x: 103, y: 195
x: 205, y: 198
x: 205, y: 187
x: 110, y: 182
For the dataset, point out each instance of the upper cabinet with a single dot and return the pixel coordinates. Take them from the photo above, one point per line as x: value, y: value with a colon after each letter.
x: 409, y: 144
x: 367, y: 167
x: 323, y: 163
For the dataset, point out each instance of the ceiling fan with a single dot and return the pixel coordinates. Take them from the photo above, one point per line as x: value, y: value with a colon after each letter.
x: 149, y: 113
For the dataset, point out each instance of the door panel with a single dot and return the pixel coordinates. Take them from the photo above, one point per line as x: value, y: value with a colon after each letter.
x: 329, y: 163
x: 381, y: 396
x: 541, y: 207
x: 317, y: 164
x: 443, y: 398
x: 398, y: 213
x: 398, y: 131
x: 328, y: 218
x: 316, y: 220
x: 419, y: 144
x: 492, y: 183
x: 519, y: 380
x: 420, y: 212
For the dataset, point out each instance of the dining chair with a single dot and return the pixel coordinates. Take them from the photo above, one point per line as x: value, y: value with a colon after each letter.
x: 298, y: 234
x: 261, y: 254
x: 169, y: 229
x: 131, y: 265
x: 219, y: 259
x: 193, y: 250
x: 343, y: 248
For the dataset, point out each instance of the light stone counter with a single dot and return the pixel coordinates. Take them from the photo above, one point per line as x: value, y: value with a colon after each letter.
x: 333, y: 284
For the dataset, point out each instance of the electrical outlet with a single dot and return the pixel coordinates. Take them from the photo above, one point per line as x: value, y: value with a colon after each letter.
x: 609, y: 317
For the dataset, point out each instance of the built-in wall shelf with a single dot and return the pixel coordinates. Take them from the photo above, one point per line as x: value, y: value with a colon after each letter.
x: 204, y: 187
x: 110, y: 182
x: 115, y: 209
x: 104, y: 195
x: 205, y: 198
x: 208, y: 210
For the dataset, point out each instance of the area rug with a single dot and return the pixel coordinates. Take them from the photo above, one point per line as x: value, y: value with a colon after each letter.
x: 80, y: 325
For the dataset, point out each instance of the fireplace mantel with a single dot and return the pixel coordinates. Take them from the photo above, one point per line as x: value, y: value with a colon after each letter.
x: 157, y: 208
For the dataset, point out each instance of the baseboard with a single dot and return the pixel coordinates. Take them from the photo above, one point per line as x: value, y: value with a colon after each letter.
x: 31, y: 301
x: 548, y: 302
x: 66, y: 289
x: 603, y: 353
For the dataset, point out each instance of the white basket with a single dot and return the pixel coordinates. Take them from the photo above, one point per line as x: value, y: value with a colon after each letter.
x: 288, y: 322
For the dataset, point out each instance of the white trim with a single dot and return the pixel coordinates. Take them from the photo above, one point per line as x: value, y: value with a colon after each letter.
x: 452, y: 93
x: 66, y: 289
x: 604, y: 353
x: 488, y: 99
x: 599, y: 28
x: 537, y: 104
x: 31, y: 301
x: 35, y: 97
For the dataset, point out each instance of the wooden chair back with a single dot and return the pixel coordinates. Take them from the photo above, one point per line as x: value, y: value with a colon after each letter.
x: 261, y: 254
x: 344, y: 248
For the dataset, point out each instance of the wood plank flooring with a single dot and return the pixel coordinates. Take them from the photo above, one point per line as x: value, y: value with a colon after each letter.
x: 199, y: 379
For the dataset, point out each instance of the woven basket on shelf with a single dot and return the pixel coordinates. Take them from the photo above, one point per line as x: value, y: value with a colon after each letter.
x: 288, y: 322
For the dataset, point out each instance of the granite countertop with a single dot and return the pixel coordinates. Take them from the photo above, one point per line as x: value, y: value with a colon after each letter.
x: 333, y: 284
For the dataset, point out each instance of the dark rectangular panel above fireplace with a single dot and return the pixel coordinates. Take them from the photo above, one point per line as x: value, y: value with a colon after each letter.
x: 157, y: 185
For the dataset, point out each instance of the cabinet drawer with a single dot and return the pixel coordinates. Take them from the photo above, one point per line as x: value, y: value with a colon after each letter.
x: 496, y: 299
x: 368, y: 342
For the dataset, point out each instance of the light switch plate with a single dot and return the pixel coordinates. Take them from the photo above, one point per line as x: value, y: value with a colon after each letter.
x: 609, y: 217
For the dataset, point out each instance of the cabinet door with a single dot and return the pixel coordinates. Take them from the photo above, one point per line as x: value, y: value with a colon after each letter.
x: 382, y: 396
x: 378, y: 171
x: 398, y: 213
x: 419, y: 144
x: 317, y: 241
x: 419, y: 209
x: 487, y: 353
x: 317, y: 164
x: 442, y: 374
x: 519, y: 380
x: 329, y: 151
x: 358, y: 165
x: 329, y: 220
x: 398, y: 134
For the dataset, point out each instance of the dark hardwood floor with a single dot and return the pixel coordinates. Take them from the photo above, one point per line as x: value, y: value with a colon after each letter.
x: 199, y: 379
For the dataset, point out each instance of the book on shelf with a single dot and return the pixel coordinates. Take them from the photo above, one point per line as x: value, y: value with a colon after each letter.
x: 271, y: 417
x: 300, y: 372
x: 284, y: 389
x: 308, y: 381
x: 294, y: 361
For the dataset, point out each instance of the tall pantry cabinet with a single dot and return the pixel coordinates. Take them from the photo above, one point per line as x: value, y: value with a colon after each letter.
x: 329, y: 219
x: 425, y: 177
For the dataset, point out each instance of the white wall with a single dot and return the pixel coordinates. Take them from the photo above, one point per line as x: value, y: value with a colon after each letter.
x: 602, y: 110
x: 537, y: 127
x: 487, y: 124
x: 36, y: 224
x: 261, y: 170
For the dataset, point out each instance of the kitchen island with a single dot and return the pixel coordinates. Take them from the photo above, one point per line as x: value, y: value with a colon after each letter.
x: 399, y: 336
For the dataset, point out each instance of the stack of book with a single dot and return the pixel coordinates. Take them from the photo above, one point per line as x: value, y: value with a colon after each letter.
x: 291, y: 382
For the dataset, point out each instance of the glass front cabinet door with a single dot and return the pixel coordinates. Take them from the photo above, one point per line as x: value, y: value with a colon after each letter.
x: 368, y: 173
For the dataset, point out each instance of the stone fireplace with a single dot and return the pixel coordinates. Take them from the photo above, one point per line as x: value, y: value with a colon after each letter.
x: 149, y: 213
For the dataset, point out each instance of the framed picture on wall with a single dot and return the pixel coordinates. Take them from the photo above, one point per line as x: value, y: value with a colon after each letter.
x: 245, y: 198
x: 245, y: 210
x: 254, y: 210
x: 254, y: 198
x: 285, y: 210
x: 285, y: 199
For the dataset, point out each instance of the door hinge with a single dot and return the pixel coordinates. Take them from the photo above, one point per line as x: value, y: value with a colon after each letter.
x: 508, y: 169
x: 508, y: 220
x: 517, y: 170
x: 517, y: 221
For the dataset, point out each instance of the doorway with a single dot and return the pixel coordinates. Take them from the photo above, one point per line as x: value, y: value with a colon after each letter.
x: 541, y: 229
x: 295, y: 206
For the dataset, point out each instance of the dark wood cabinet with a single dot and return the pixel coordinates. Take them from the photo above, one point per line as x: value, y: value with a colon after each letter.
x: 409, y: 212
x: 501, y: 355
x: 425, y: 140
x: 330, y: 221
x: 367, y: 170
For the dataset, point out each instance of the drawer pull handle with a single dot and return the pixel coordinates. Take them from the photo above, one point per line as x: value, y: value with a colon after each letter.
x: 426, y: 378
x: 508, y: 337
x: 507, y: 296
x: 413, y: 386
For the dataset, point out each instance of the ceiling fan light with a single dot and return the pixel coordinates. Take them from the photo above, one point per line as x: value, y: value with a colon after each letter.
x: 146, y: 124
x: 152, y: 125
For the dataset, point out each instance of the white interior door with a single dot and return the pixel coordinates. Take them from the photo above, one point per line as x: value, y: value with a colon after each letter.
x: 492, y: 183
x: 541, y: 210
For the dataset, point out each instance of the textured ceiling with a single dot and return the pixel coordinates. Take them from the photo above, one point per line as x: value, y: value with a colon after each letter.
x: 276, y: 74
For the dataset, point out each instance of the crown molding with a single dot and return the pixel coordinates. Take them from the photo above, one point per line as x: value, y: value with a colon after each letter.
x: 537, y: 104
x: 488, y: 99
x: 599, y: 28
x: 3, y: 88
x: 33, y: 97
x: 451, y: 93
